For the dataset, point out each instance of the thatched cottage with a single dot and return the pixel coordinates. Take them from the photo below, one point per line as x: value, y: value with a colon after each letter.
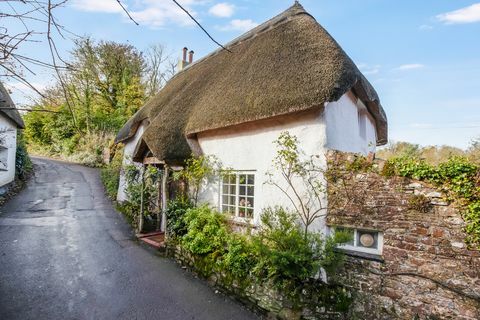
x: 10, y: 122
x: 287, y: 74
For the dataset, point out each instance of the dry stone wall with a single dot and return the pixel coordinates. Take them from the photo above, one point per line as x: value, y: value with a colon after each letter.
x: 425, y: 271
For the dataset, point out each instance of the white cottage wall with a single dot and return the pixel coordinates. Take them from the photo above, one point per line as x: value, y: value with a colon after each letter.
x: 250, y: 147
x: 129, y: 149
x: 343, y: 120
x: 8, y: 133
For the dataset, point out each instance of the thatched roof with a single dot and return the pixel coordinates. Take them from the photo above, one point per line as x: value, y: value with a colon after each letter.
x: 288, y: 64
x: 7, y: 107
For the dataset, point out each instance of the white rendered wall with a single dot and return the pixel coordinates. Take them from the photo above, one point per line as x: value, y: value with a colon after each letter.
x: 343, y: 131
x: 129, y: 149
x: 250, y: 147
x: 9, y: 137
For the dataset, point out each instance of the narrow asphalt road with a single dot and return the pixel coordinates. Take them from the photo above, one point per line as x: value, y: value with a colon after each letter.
x: 65, y: 253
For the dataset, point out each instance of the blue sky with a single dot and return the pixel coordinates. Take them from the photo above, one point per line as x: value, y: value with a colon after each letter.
x: 423, y: 57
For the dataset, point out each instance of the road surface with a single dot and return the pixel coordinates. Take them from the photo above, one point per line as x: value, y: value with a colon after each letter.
x: 65, y: 253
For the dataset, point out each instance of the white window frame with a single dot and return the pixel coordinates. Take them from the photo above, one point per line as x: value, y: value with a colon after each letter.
x: 4, y: 158
x: 236, y: 206
x: 362, y: 124
x: 356, y: 247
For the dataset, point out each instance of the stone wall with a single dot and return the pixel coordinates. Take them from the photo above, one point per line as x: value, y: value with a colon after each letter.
x: 316, y: 300
x: 425, y: 270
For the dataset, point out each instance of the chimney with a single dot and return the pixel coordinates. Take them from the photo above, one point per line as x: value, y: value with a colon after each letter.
x: 185, y: 49
x: 183, y: 61
x: 190, y: 56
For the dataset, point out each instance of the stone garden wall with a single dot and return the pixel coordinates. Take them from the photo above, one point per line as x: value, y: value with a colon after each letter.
x: 426, y: 270
x: 315, y: 301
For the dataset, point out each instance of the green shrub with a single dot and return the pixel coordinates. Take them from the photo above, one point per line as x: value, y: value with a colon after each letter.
x: 176, y: 210
x: 287, y: 256
x: 207, y: 231
x: 23, y: 164
x: 239, y: 258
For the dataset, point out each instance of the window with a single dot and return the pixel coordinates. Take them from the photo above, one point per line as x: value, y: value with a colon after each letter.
x: 3, y: 158
x: 368, y: 241
x: 237, y: 194
x: 362, y: 124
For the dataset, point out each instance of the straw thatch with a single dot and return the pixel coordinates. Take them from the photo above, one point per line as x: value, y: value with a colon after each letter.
x: 285, y: 65
x: 7, y: 107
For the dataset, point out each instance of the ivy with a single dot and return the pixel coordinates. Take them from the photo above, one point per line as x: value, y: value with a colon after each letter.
x: 458, y: 177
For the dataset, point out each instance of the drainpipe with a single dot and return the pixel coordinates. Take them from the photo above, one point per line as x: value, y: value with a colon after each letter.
x: 140, y: 218
x: 164, y: 198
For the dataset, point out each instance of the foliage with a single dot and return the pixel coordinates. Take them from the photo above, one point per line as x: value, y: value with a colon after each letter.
x: 175, y: 213
x: 110, y: 174
x: 305, y: 184
x: 431, y: 154
x: 419, y: 202
x: 107, y: 83
x: 286, y: 256
x: 142, y: 192
x: 279, y: 252
x: 240, y: 256
x: 23, y: 164
x: 459, y: 177
x: 207, y: 231
x: 197, y: 172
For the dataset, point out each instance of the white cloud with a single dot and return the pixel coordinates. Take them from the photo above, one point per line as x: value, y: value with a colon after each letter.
x: 239, y: 25
x: 468, y: 14
x: 410, y: 66
x: 367, y: 69
x: 108, y: 6
x: 222, y: 10
x: 152, y: 13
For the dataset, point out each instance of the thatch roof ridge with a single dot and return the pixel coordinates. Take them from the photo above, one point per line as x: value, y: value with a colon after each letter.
x: 295, y: 9
x: 7, y: 107
x: 131, y: 126
x: 287, y: 64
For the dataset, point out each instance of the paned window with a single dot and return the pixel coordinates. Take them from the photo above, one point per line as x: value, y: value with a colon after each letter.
x: 238, y: 194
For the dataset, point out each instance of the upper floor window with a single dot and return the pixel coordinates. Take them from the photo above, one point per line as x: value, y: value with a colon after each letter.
x: 237, y: 195
x: 362, y: 124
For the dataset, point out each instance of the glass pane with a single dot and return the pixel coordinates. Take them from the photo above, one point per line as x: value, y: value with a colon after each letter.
x: 233, y: 190
x: 242, y: 190
x: 250, y: 202
x: 225, y: 199
x: 349, y: 231
x: 251, y: 179
x: 242, y: 178
x: 226, y: 179
x: 242, y: 202
x: 367, y: 239
x: 241, y: 213
x: 225, y: 189
x: 250, y: 191
x: 231, y: 200
x: 250, y: 213
x: 225, y: 209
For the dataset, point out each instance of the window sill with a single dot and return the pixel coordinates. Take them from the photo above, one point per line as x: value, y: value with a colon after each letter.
x: 241, y: 222
x: 361, y: 255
